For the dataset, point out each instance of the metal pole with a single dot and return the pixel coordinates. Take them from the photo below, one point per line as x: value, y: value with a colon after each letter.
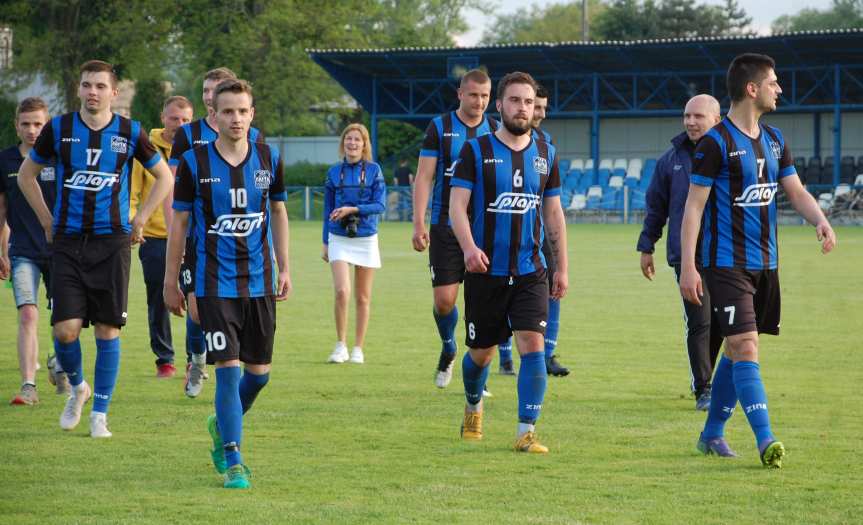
x: 594, y: 125
x: 307, y: 203
x: 374, y: 130
x: 837, y: 125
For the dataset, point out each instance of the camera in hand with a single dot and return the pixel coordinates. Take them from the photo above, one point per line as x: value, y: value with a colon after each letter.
x: 350, y: 223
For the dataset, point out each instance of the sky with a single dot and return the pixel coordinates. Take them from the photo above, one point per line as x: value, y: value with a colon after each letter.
x: 763, y: 13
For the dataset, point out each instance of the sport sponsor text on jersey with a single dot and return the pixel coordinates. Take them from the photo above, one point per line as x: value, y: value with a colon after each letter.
x: 237, y: 224
x: 90, y: 180
x: 757, y: 195
x: 518, y: 203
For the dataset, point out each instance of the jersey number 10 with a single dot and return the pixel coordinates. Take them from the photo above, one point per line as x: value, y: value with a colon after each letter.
x: 238, y: 197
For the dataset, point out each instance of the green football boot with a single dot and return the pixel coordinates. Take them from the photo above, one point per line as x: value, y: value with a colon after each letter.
x: 237, y: 477
x: 217, y: 453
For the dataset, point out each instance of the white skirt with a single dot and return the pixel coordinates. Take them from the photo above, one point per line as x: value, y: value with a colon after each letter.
x: 359, y: 251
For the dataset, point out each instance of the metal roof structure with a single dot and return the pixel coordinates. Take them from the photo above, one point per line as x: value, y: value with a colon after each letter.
x: 819, y: 71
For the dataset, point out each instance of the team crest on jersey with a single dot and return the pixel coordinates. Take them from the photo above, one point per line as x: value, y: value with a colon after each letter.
x: 47, y: 174
x: 757, y: 195
x: 263, y: 179
x: 237, y: 224
x: 540, y: 165
x: 776, y: 149
x: 119, y: 144
x: 517, y: 203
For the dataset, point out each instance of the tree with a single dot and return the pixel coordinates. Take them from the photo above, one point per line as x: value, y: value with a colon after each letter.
x: 54, y: 37
x: 844, y: 14
x: 636, y: 20
x: 554, y: 23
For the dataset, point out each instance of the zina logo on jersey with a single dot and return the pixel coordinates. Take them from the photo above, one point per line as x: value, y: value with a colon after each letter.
x: 757, y: 195
x: 237, y: 224
x: 90, y: 180
x: 519, y: 203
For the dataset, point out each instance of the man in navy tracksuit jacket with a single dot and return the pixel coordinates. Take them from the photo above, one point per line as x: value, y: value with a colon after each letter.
x: 666, y: 198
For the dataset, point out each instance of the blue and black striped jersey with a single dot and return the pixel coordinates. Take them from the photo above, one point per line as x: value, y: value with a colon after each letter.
x: 444, y: 139
x: 507, y: 192
x: 540, y: 134
x: 92, y: 171
x: 739, y: 227
x: 199, y: 133
x: 231, y: 216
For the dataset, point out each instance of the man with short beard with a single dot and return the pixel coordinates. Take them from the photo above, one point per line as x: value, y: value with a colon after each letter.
x: 507, y: 179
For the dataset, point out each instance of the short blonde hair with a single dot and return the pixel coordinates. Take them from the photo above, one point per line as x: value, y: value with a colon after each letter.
x: 367, y: 142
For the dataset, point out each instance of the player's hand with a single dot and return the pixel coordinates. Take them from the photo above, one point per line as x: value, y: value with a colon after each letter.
x: 325, y: 253
x: 174, y: 300
x: 690, y: 285
x: 193, y: 307
x: 476, y: 261
x: 5, y: 267
x: 420, y: 239
x: 137, y: 234
x: 826, y: 235
x: 284, y: 287
x: 340, y: 213
x: 647, y: 268
x: 560, y: 285
x: 49, y: 232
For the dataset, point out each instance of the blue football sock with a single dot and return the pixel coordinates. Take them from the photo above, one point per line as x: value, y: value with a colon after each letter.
x: 250, y: 385
x: 532, y: 379
x: 229, y: 412
x: 194, y: 338
x: 69, y: 355
x: 753, y: 398
x: 723, y: 399
x: 446, y: 328
x: 474, y: 377
x: 552, y: 328
x: 105, y: 374
x: 504, y: 351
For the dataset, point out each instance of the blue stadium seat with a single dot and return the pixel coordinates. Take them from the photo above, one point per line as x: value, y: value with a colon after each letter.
x: 619, y: 172
x: 563, y: 165
x: 588, y: 179
x: 637, y: 201
x: 611, y: 199
x: 631, y: 183
x: 604, y: 175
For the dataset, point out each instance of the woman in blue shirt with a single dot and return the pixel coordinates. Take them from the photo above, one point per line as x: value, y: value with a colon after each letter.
x: 354, y: 198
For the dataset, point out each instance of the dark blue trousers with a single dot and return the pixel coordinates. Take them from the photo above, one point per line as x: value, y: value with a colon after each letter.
x: 152, y: 255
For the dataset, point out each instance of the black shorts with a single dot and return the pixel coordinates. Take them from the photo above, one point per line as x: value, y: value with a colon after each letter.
x: 90, y: 278
x: 744, y: 300
x: 238, y: 328
x: 550, y: 261
x: 446, y: 260
x: 187, y: 268
x: 497, y: 306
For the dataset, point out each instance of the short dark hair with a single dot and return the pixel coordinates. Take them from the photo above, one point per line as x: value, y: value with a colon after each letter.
x: 99, y: 66
x: 746, y: 68
x: 541, y: 92
x: 220, y: 73
x: 232, y: 85
x: 475, y: 75
x: 30, y: 104
x: 179, y: 100
x: 516, y: 77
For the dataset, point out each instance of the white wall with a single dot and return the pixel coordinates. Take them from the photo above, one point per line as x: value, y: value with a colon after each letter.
x: 316, y: 150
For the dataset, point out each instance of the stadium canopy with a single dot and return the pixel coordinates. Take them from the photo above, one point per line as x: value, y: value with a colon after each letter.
x: 819, y: 71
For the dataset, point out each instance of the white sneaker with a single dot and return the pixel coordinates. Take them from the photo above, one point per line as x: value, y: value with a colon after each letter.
x: 486, y: 393
x: 340, y: 354
x: 357, y: 355
x: 99, y: 425
x: 443, y: 377
x: 72, y: 411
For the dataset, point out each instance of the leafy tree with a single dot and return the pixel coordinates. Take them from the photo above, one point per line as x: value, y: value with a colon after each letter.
x: 637, y: 20
x: 554, y: 23
x: 54, y: 37
x: 843, y: 14
x: 7, y: 123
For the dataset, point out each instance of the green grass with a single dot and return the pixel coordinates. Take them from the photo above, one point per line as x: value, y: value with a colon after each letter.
x: 378, y: 443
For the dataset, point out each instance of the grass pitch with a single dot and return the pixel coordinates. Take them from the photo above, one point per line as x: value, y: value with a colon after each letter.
x: 378, y: 443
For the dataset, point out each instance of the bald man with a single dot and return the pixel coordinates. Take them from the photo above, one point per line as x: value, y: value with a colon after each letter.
x: 666, y: 198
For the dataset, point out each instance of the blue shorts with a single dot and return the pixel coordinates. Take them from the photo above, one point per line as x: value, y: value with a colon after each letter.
x: 25, y: 280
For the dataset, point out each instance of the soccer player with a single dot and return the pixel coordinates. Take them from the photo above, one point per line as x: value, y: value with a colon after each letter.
x: 91, y: 231
x: 198, y: 133
x: 666, y: 197
x: 235, y: 189
x: 444, y: 138
x: 28, y: 254
x: 507, y: 179
x: 175, y: 112
x: 738, y: 167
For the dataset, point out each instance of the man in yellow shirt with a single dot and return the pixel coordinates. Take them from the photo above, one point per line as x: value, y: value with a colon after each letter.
x: 175, y: 112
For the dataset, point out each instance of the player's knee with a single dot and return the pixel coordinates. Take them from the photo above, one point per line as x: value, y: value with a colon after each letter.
x: 343, y: 293
x: 364, y: 300
x: 744, y: 347
x: 28, y: 315
x: 65, y: 334
x: 443, y: 305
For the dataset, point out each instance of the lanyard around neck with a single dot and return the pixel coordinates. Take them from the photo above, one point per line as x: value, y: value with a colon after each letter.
x: 362, y: 174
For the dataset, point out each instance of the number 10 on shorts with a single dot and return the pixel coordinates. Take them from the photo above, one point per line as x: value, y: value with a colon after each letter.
x: 215, y: 341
